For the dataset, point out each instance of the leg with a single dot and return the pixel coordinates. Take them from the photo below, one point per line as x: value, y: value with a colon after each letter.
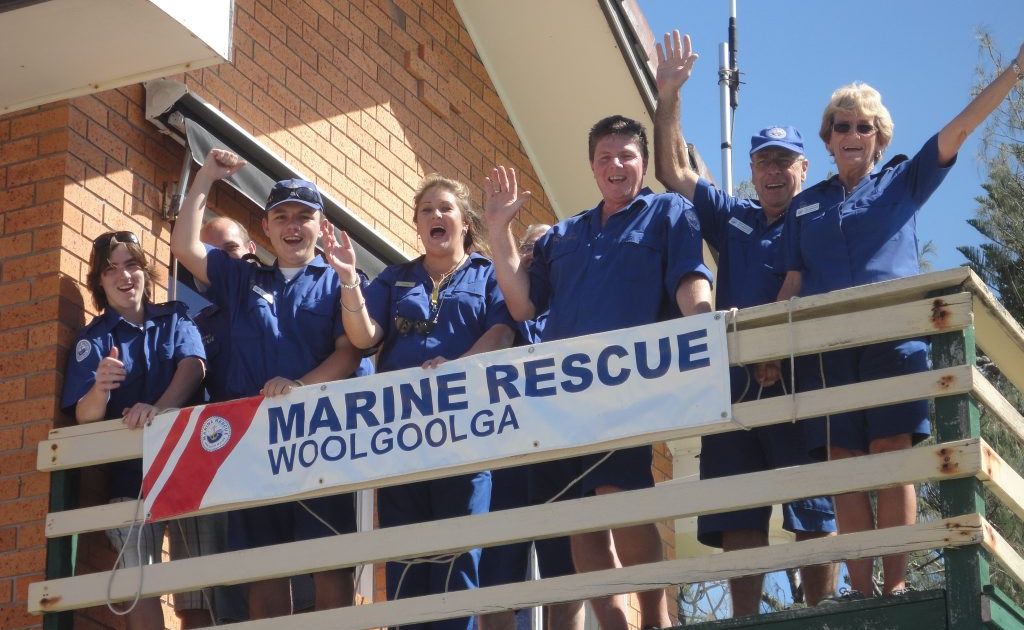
x: 504, y: 620
x: 853, y: 512
x: 896, y: 506
x: 594, y: 551
x: 194, y: 618
x: 334, y: 589
x: 746, y: 590
x: 819, y: 580
x: 269, y: 598
x: 147, y: 614
x: 565, y: 616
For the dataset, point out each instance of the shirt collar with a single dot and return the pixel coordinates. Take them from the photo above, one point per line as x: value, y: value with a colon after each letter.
x: 642, y: 200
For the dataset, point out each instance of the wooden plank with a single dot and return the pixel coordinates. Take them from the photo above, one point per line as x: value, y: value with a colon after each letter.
x: 1002, y: 480
x: 1003, y: 552
x: 89, y: 450
x: 999, y: 335
x: 666, y: 501
x: 987, y: 394
x: 952, y: 532
x: 866, y: 296
x: 811, y: 404
x: 913, y: 319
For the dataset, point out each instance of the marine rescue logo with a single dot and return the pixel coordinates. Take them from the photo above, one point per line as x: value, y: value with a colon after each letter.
x: 82, y: 349
x: 776, y: 132
x: 215, y: 433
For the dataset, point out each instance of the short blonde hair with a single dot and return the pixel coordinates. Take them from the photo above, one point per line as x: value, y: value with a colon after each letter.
x: 861, y: 100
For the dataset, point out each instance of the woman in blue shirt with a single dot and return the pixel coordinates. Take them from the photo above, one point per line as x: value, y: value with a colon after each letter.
x: 133, y: 360
x: 442, y: 305
x: 859, y: 227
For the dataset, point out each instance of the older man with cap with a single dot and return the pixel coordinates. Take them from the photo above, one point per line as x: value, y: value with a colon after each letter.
x: 286, y: 332
x: 746, y: 234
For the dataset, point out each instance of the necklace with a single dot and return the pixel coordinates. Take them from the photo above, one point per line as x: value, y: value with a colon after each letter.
x: 436, y: 291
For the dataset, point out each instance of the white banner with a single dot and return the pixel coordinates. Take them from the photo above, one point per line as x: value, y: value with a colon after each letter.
x: 574, y: 392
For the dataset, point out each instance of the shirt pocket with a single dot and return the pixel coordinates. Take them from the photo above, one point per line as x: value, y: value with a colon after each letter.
x: 640, y: 256
x: 470, y: 298
x: 411, y: 302
x: 258, y: 317
x: 315, y: 318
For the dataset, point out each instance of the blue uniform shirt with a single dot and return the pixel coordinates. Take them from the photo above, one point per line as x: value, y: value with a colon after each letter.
x: 150, y: 354
x: 469, y: 305
x: 747, y: 246
x: 594, y: 278
x: 839, y: 240
x: 278, y: 328
x: 531, y: 331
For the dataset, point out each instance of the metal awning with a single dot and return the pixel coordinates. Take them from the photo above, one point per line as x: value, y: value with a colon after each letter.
x: 57, y: 49
x: 201, y: 127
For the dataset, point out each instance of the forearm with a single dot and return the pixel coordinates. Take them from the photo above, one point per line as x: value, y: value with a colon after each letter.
x: 790, y: 286
x: 362, y: 331
x: 184, y: 384
x: 953, y: 135
x: 693, y: 295
x: 185, y: 243
x: 497, y: 337
x: 342, y: 363
x: 92, y: 406
x: 513, y: 277
x: 671, y: 162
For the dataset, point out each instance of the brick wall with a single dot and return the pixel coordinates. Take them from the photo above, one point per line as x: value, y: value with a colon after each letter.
x: 366, y: 97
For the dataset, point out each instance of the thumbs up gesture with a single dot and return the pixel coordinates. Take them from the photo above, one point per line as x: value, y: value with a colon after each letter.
x: 110, y: 372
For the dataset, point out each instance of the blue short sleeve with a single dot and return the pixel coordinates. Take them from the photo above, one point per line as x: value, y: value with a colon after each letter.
x: 81, y: 371
x: 497, y: 311
x: 791, y: 258
x: 685, y: 255
x: 712, y: 207
x: 188, y: 342
x: 377, y: 295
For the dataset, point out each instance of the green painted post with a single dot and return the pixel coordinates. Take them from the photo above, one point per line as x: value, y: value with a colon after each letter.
x: 958, y: 417
x: 60, y: 552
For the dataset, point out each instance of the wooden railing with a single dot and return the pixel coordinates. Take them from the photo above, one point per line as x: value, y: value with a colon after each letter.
x: 952, y: 306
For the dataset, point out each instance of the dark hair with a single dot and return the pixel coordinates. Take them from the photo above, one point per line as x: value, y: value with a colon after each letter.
x: 473, y: 241
x: 100, y: 260
x: 618, y: 126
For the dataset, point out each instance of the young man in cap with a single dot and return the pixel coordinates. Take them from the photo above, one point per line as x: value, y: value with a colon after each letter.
x: 285, y: 332
x: 746, y: 234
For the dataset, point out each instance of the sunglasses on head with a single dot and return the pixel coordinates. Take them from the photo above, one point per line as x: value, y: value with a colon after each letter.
x: 301, y: 193
x: 103, y: 241
x: 405, y: 325
x: 864, y: 129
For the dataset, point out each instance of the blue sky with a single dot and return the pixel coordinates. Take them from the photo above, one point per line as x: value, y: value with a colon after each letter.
x: 921, y: 55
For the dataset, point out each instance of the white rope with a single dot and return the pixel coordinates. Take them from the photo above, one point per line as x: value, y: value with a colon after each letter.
x: 136, y: 522
x: 188, y: 554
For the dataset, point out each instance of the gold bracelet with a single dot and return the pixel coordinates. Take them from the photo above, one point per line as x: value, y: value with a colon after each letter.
x: 298, y: 382
x: 353, y: 310
x: 350, y: 286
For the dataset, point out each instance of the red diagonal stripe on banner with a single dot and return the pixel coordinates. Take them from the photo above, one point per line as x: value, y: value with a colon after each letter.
x: 194, y: 471
x: 177, y: 428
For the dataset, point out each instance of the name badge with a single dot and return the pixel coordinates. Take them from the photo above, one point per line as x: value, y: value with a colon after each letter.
x: 405, y: 284
x: 740, y: 225
x: 804, y: 210
x: 269, y: 297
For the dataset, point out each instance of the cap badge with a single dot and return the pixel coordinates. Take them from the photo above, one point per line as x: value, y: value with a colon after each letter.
x: 776, y: 132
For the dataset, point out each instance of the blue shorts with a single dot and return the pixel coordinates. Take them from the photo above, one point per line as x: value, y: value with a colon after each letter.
x: 756, y: 450
x: 288, y: 522
x: 544, y: 481
x: 506, y: 564
x: 427, y: 501
x: 624, y: 468
x: 856, y: 429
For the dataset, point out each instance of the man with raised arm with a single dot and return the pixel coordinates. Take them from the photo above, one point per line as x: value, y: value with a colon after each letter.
x: 635, y: 258
x: 746, y: 234
x: 286, y: 332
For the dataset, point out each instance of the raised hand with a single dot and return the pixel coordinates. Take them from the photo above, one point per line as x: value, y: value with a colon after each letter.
x: 110, y: 372
x: 221, y: 164
x: 502, y: 199
x: 675, y: 62
x: 339, y: 253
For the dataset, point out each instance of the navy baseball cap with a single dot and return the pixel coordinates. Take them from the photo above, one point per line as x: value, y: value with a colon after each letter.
x: 294, y: 191
x: 784, y: 137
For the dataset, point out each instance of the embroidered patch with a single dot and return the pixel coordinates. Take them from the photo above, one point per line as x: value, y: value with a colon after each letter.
x: 740, y: 225
x: 82, y: 349
x: 804, y: 210
x: 776, y: 132
x: 215, y: 434
x: 404, y: 284
x: 269, y: 297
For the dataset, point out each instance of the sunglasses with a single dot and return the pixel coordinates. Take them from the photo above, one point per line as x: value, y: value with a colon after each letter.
x: 405, y: 325
x: 103, y: 241
x: 301, y: 193
x: 781, y: 161
x: 864, y: 129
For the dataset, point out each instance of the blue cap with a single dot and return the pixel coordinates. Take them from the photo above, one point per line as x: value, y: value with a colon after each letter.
x: 294, y: 191
x: 784, y: 137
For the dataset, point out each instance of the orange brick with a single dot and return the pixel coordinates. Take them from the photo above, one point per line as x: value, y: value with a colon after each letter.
x: 17, y: 617
x: 39, y: 121
x: 43, y: 334
x: 53, y: 142
x: 19, y: 150
x: 13, y: 341
x: 38, y: 169
x: 16, y: 245
x: 22, y: 510
x: 24, y: 411
x: 29, y: 266
x: 38, y: 385
x: 17, y: 197
x: 22, y: 562
x: 107, y: 142
x: 11, y: 438
x: 32, y: 217
x: 9, y: 488
x: 50, y: 190
x: 13, y: 389
x: 33, y: 534
x: 5, y: 587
